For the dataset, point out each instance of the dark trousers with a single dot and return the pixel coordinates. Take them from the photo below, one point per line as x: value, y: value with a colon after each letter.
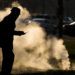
x: 8, y: 57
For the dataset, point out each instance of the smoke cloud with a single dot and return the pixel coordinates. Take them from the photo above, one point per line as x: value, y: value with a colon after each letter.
x: 34, y: 52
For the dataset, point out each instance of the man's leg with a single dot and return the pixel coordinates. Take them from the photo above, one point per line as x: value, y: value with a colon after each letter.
x: 8, y: 58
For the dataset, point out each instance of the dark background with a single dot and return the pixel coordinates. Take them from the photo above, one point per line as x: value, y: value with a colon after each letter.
x: 43, y: 6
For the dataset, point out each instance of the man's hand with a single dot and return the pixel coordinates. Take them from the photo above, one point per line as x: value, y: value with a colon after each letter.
x: 19, y: 33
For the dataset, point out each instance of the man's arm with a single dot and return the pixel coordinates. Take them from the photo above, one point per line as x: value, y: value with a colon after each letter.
x: 19, y: 33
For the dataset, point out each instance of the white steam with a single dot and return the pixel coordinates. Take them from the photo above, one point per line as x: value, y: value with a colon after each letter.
x: 33, y: 51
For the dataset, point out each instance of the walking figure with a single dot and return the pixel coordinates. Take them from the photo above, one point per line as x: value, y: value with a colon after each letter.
x: 7, y: 31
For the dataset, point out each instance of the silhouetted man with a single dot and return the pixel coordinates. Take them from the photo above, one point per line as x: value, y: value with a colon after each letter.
x: 7, y: 31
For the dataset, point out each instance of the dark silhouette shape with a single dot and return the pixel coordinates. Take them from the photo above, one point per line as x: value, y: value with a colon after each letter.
x: 60, y: 11
x: 7, y: 31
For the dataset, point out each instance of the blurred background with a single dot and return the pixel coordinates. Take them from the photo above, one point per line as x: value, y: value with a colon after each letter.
x: 45, y: 12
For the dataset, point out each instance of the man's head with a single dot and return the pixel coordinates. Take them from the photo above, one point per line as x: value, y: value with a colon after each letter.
x: 15, y: 12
